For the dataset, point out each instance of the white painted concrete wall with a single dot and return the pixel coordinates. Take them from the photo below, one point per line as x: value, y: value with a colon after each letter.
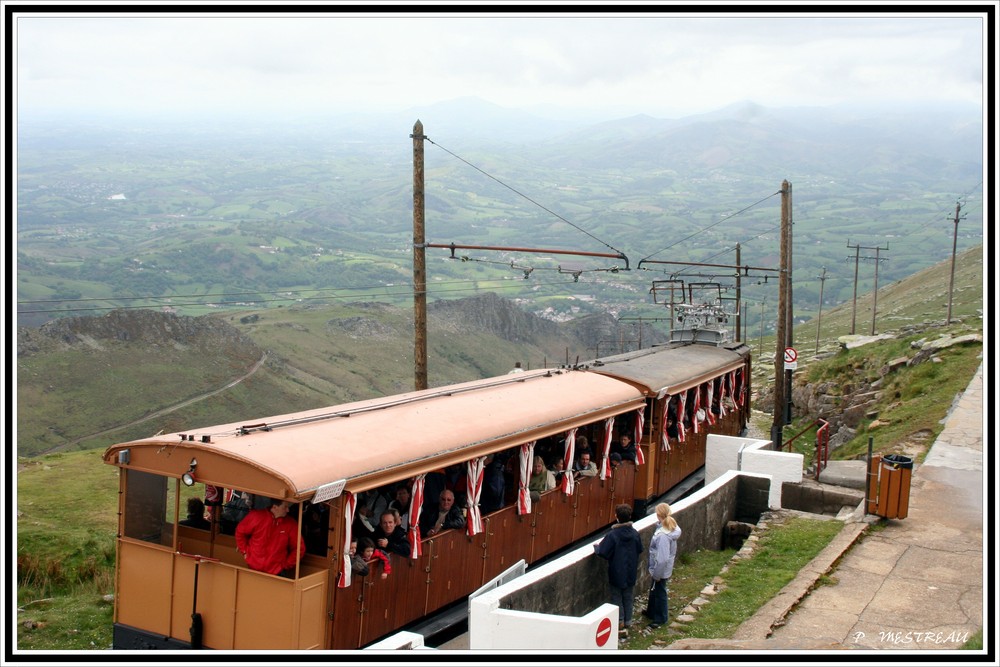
x: 725, y: 453
x: 492, y: 628
x: 398, y: 642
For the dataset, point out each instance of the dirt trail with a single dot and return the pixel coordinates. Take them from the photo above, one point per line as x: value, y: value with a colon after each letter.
x: 158, y: 413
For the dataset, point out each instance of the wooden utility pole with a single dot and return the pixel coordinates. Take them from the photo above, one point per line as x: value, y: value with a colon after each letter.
x: 854, y: 301
x: 419, y: 263
x: 789, y: 302
x: 738, y: 293
x: 781, y: 335
x: 954, y: 249
x: 875, y: 290
x: 819, y: 315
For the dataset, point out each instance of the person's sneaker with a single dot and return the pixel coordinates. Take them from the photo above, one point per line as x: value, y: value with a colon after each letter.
x: 653, y: 626
x: 623, y: 632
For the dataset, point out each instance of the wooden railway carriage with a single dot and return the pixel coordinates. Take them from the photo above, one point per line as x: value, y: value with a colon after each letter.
x: 181, y: 587
x: 703, y: 388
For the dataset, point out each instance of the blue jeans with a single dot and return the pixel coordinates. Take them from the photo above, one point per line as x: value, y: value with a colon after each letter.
x: 625, y: 599
x: 658, y: 602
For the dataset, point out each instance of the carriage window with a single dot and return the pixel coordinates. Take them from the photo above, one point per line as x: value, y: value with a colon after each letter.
x: 150, y: 507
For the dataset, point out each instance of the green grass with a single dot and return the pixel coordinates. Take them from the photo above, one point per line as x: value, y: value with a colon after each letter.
x: 782, y: 551
x: 66, y: 522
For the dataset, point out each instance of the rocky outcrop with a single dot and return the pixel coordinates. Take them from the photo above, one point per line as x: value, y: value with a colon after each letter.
x: 149, y: 327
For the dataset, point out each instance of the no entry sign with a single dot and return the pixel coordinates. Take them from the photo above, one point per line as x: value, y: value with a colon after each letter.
x: 603, y: 631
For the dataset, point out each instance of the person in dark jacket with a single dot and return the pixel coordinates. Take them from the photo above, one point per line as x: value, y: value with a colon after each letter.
x: 389, y: 536
x: 621, y: 547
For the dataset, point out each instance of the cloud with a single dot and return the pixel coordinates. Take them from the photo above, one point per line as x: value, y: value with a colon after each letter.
x: 650, y: 63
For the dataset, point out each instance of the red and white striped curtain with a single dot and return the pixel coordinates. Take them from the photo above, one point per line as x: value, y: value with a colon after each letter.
x: 681, y: 404
x: 732, y: 389
x: 722, y: 396
x: 665, y: 438
x: 568, y: 484
x: 745, y: 387
x: 474, y: 487
x: 637, y: 439
x: 609, y: 426
x: 350, y: 504
x: 527, y: 461
x: 416, y: 502
x: 697, y: 406
x: 709, y: 413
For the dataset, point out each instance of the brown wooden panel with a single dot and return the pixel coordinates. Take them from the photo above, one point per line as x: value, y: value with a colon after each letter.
x: 552, y: 523
x: 456, y: 568
x: 593, y: 498
x: 312, y: 598
x: 507, y: 539
x: 346, y: 607
x: 263, y: 616
x: 143, y: 598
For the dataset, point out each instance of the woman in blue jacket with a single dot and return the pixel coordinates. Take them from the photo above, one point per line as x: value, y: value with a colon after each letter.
x: 662, y: 552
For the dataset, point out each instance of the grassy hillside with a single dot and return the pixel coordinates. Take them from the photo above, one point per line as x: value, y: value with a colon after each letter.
x: 914, y: 399
x: 89, y: 382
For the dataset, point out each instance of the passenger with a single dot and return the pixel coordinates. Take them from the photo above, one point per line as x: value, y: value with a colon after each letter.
x: 375, y: 501
x: 621, y: 547
x: 358, y: 564
x: 363, y: 525
x: 584, y: 466
x: 234, y: 511
x: 662, y: 552
x: 456, y: 481
x: 196, y: 515
x: 316, y: 528
x: 581, y: 444
x: 270, y: 541
x: 615, y: 460
x: 369, y: 554
x: 625, y: 448
x: 541, y: 480
x: 447, y: 516
x: 390, y: 536
x: 433, y: 486
x: 558, y: 470
x: 491, y: 497
x: 671, y: 425
x: 401, y: 504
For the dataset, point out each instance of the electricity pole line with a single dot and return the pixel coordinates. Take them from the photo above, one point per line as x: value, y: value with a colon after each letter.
x: 954, y: 248
x: 857, y: 257
x: 819, y: 315
x: 419, y: 263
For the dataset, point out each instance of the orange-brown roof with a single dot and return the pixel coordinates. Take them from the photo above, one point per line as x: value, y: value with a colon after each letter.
x: 669, y: 369
x: 371, y: 443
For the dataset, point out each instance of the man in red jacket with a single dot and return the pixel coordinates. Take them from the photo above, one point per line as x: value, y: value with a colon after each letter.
x: 269, y: 540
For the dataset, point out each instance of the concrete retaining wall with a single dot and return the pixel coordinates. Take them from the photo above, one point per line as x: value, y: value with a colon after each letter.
x: 576, y: 584
x: 724, y: 453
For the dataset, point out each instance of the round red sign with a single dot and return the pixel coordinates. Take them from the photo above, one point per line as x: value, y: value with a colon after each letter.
x: 603, y: 631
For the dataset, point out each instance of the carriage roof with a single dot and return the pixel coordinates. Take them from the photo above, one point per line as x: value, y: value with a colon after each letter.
x: 672, y: 368
x: 371, y: 443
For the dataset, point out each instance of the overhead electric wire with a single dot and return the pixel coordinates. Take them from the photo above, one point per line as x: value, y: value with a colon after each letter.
x: 729, y: 217
x: 521, y: 194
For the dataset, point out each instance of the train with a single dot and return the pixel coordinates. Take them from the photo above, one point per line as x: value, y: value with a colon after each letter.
x: 180, y: 586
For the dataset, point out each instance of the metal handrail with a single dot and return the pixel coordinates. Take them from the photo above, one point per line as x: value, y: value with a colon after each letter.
x: 822, y: 443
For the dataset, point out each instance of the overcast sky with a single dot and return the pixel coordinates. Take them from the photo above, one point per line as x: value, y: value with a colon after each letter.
x: 660, y: 63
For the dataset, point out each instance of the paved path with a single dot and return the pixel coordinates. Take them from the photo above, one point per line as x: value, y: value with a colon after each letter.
x: 914, y: 583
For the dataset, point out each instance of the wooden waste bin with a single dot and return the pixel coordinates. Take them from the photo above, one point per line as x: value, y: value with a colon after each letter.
x: 889, y: 485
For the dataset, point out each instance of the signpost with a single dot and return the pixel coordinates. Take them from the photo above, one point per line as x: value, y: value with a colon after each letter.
x: 791, y: 363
